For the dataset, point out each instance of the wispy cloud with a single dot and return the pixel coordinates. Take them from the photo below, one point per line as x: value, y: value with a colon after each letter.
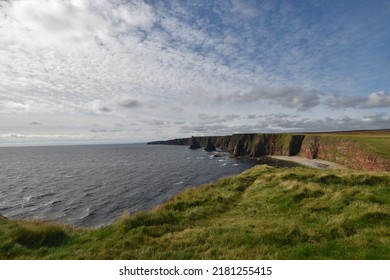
x: 112, y: 61
x: 378, y: 99
x: 291, y: 97
x: 209, y: 119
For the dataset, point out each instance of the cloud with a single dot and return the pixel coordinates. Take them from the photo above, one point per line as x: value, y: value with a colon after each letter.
x: 102, y: 130
x: 290, y: 97
x: 377, y: 119
x: 86, y: 62
x: 130, y: 104
x: 287, y: 123
x: 209, y: 119
x: 156, y: 122
x: 212, y: 129
x: 104, y: 109
x: 292, y: 123
x: 43, y: 136
x: 244, y: 8
x: 11, y: 106
x: 136, y: 13
x: 98, y: 106
x: 378, y: 99
x: 340, y: 102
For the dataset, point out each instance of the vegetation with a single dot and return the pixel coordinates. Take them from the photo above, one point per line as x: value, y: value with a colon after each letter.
x: 377, y: 141
x: 264, y: 213
x: 379, y: 145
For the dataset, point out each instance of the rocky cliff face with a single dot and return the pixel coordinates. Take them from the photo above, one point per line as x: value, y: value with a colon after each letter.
x: 253, y: 145
x: 194, y: 144
x: 210, y: 147
x: 342, y: 150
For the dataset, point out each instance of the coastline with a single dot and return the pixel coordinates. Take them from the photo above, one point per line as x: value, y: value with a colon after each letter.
x: 263, y: 213
x: 316, y: 209
x: 359, y: 150
x: 313, y: 163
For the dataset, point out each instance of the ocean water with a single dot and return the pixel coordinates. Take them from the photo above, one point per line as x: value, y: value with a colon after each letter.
x: 91, y: 185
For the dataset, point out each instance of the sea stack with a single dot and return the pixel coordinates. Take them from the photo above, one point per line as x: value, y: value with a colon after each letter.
x: 194, y: 144
x: 210, y: 147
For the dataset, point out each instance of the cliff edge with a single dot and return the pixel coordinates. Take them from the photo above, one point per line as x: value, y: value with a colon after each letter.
x: 357, y: 150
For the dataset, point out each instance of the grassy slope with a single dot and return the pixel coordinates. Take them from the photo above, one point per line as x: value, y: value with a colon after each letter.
x: 264, y: 213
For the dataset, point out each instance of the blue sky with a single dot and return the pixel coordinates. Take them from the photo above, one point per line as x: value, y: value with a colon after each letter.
x: 134, y: 71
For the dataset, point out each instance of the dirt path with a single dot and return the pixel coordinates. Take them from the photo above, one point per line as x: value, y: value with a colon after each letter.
x: 314, y: 163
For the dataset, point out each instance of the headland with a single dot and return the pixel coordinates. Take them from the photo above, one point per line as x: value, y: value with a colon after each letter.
x: 362, y: 150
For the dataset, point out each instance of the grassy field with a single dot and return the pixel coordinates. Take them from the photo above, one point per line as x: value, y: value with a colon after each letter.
x: 377, y: 141
x: 264, y: 213
x: 379, y: 145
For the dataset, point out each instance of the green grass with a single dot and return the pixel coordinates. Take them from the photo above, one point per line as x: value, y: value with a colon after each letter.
x: 377, y: 141
x: 379, y: 145
x: 264, y: 213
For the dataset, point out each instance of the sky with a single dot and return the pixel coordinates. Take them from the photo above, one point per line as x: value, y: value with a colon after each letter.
x: 135, y: 71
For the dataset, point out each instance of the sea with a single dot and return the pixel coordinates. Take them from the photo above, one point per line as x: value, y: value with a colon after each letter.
x: 92, y: 185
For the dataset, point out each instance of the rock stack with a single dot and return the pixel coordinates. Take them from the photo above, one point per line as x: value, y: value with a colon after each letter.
x: 194, y: 144
x: 210, y: 147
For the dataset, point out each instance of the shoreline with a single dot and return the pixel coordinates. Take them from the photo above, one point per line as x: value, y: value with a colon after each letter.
x: 279, y: 206
x: 298, y: 161
x: 313, y: 163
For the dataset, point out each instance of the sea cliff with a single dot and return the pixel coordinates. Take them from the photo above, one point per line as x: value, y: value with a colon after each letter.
x: 348, y: 149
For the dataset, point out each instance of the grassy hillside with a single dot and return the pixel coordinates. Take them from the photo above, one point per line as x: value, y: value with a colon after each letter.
x: 264, y: 213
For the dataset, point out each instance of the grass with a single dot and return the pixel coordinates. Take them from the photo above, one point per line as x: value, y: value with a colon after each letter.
x: 264, y: 213
x: 379, y: 145
x: 377, y: 141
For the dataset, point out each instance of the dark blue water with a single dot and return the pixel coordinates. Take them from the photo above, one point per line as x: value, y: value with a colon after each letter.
x: 92, y: 185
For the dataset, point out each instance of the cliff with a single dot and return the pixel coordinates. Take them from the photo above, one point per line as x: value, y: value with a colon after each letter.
x: 347, y: 149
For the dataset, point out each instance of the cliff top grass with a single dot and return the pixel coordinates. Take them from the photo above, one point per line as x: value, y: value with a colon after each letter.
x: 377, y: 141
x: 264, y: 213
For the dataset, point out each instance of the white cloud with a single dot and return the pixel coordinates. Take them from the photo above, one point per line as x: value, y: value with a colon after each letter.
x: 340, y: 102
x: 377, y: 119
x: 137, y: 14
x: 98, y: 106
x: 378, y: 99
x: 291, y: 97
x: 171, y: 64
x: 12, y: 106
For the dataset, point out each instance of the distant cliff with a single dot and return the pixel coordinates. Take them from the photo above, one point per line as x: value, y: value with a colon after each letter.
x: 253, y: 145
x: 345, y: 150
